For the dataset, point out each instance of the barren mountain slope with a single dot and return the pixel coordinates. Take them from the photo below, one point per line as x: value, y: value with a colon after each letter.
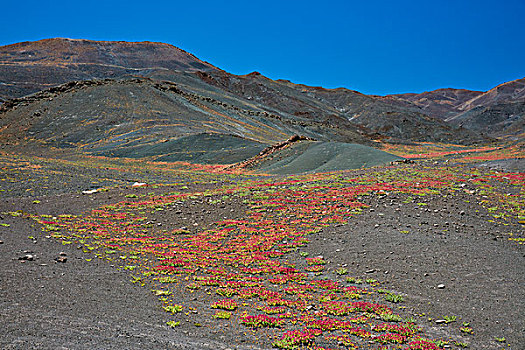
x: 512, y: 91
x: 497, y: 113
x: 32, y: 66
x: 368, y: 113
x: 112, y: 114
x: 437, y: 103
x: 349, y: 115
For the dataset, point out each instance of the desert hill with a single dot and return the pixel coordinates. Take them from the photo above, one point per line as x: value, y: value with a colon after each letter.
x: 498, y: 112
x: 438, y: 103
x: 146, y: 203
x: 29, y: 67
x: 151, y: 99
x: 94, y: 114
x: 333, y: 105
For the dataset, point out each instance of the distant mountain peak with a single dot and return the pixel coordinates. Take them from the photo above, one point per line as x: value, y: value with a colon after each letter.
x: 32, y: 66
x: 136, y: 55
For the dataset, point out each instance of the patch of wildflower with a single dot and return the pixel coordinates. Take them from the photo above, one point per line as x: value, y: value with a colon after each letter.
x: 227, y: 292
x: 389, y: 338
x: 345, y: 340
x: 222, y: 315
x: 292, y: 339
x: 315, y: 261
x: 246, y: 258
x: 259, y: 321
x: 226, y: 304
x: 422, y: 345
x: 402, y: 329
x: 173, y: 309
x: 358, y: 332
x: 269, y: 310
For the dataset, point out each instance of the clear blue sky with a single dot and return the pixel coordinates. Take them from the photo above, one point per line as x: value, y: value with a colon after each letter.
x: 374, y: 47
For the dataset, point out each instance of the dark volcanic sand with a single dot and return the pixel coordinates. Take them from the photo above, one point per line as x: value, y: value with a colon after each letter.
x: 483, y: 274
x: 83, y: 304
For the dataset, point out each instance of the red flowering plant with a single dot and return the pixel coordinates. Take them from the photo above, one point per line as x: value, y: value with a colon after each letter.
x: 292, y: 339
x: 226, y: 304
x: 260, y: 321
x: 246, y: 259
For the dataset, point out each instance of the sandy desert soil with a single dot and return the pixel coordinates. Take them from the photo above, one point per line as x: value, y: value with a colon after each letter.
x: 410, y: 246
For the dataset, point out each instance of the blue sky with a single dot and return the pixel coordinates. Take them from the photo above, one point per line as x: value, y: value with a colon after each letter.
x: 376, y: 47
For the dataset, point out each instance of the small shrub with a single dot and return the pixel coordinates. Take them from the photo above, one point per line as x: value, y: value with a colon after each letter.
x: 449, y: 319
x: 173, y: 308
x: 393, y: 298
x: 391, y: 317
x: 222, y: 315
x: 173, y: 324
x: 341, y: 271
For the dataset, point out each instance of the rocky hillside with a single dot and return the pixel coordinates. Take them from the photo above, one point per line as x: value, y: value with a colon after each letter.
x: 29, y: 67
x: 111, y: 115
x: 512, y: 91
x: 504, y: 119
x: 437, y: 103
x: 498, y: 112
x: 336, y: 106
x: 112, y: 97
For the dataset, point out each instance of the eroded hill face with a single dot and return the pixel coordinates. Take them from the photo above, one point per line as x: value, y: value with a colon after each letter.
x: 113, y: 115
x: 337, y: 107
x: 33, y: 66
x: 29, y: 67
x: 499, y: 112
x: 155, y: 100
x: 439, y: 103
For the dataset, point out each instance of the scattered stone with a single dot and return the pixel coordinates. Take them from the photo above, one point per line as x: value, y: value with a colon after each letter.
x: 139, y: 184
x: 440, y: 321
x: 61, y: 259
x: 441, y: 286
x: 90, y: 191
x: 1, y: 242
x: 62, y: 254
x: 27, y: 257
x: 371, y: 271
